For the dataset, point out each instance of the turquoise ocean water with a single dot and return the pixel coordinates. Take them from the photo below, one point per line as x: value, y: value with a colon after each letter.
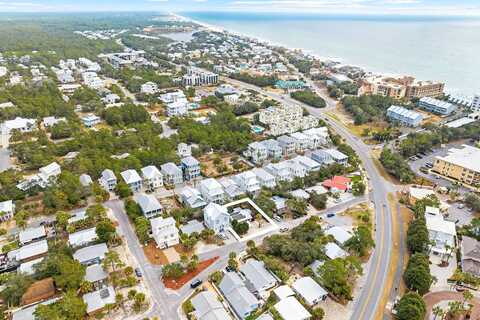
x: 429, y: 48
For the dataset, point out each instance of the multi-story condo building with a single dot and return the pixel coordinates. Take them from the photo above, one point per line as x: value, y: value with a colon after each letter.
x: 476, y: 103
x: 199, y: 77
x: 462, y: 164
x: 419, y: 89
x: 191, y: 168
x: 399, y: 88
x: 177, y: 108
x: 404, y: 116
x: 286, y: 119
x: 437, y: 106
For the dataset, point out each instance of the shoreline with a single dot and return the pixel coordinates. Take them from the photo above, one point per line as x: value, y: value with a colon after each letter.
x: 455, y: 92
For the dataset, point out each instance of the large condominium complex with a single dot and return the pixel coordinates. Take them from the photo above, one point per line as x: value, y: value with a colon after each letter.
x: 437, y: 106
x: 398, y: 88
x: 199, y: 77
x: 286, y: 119
x: 404, y: 116
x: 460, y: 164
x: 476, y: 103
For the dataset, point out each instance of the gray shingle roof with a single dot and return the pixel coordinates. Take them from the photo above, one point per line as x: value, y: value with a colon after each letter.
x: 237, y: 294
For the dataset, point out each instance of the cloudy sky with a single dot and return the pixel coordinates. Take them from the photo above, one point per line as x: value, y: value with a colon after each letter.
x: 421, y: 7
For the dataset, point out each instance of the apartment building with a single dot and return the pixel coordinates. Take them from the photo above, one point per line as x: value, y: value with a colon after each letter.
x: 462, y: 164
x: 437, y: 106
x: 404, y: 116
x: 419, y: 89
x: 399, y: 88
x: 199, y: 77
x: 476, y: 103
x: 286, y: 119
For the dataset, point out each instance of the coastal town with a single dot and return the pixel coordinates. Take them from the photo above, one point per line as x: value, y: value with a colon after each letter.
x: 178, y: 171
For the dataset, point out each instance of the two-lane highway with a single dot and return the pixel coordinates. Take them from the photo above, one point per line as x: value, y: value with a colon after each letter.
x: 367, y: 303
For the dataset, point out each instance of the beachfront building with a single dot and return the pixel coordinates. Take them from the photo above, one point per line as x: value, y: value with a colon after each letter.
x: 476, y: 103
x: 462, y: 164
x: 199, y: 77
x: 404, y: 116
x: 437, y: 106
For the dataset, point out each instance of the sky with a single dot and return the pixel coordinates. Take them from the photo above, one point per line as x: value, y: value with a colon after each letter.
x: 404, y: 7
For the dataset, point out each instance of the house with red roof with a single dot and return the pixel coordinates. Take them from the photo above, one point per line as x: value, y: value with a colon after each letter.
x: 337, y: 183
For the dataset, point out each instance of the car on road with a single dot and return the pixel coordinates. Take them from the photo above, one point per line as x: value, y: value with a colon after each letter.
x: 195, y: 283
x: 284, y: 229
x: 330, y: 215
x: 230, y: 269
x: 138, y: 272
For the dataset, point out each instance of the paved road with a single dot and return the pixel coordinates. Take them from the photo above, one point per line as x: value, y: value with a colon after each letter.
x: 166, y: 303
x: 367, y: 303
x: 5, y: 161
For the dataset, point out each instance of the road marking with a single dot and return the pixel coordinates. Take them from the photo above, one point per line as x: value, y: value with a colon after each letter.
x: 375, y: 274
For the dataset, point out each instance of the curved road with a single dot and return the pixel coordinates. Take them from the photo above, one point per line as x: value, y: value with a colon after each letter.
x: 367, y: 303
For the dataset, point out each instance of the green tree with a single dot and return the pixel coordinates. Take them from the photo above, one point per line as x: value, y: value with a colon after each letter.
x: 62, y: 220
x: 361, y: 241
x: 112, y: 260
x: 123, y: 190
x: 69, y: 307
x: 318, y: 314
x: 411, y: 307
x: 142, y: 228
x: 337, y: 276
x: 417, y: 274
x: 15, y: 287
x: 319, y: 201
x: 358, y: 188
x: 417, y: 236
x: 71, y: 274
x: 297, y: 206
x: 105, y: 230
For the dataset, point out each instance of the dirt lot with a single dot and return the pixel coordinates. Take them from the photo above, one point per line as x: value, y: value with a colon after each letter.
x: 155, y: 255
x: 178, y: 283
x: 211, y: 170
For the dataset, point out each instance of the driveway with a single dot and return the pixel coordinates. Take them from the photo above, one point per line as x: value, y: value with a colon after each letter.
x: 431, y: 299
x: 5, y: 161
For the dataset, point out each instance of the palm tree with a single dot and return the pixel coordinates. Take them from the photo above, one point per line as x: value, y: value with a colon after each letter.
x: 438, y: 312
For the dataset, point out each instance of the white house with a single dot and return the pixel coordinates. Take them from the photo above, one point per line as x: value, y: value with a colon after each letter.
x: 148, y: 204
x: 164, y: 232
x: 231, y: 188
x: 328, y: 156
x: 333, y: 251
x: 281, y: 171
x: 108, y: 180
x: 442, y: 233
x: 309, y: 164
x: 177, y: 108
x: 149, y: 88
x: 339, y: 234
x: 184, y: 150
x: 33, y: 234
x: 172, y: 174
x: 248, y: 182
x: 82, y: 237
x: 212, y: 191
x: 20, y: 124
x: 216, y: 217
x: 290, y: 309
x: 51, y: 121
x: 258, y: 279
x: 266, y: 179
x: 303, y: 142
x: 310, y: 291
x: 132, y: 179
x: 152, y: 177
x: 48, y: 174
x: 90, y: 120
x: 7, y: 209
x: 192, y: 198
x: 257, y: 152
x: 318, y: 136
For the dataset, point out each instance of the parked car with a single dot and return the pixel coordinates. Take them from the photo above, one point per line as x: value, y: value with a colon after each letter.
x: 277, y: 218
x: 195, y: 283
x: 284, y: 229
x: 138, y: 272
x: 230, y: 269
x: 329, y: 215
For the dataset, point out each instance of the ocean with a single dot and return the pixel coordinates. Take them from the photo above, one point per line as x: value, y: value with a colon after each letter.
x: 429, y: 48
